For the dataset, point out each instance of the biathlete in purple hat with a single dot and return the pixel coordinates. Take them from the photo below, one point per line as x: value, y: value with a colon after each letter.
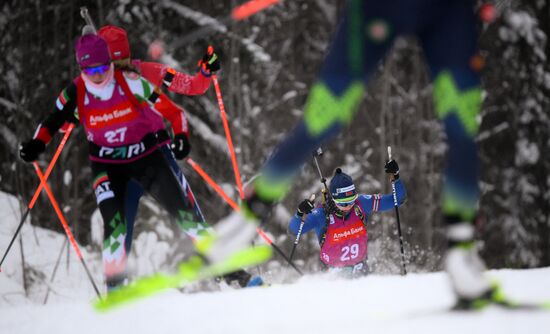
x: 120, y: 125
x: 341, y: 223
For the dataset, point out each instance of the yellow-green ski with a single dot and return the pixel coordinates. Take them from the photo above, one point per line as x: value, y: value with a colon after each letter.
x: 189, y: 271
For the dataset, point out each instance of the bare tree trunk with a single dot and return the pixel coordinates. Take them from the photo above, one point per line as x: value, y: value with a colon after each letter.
x: 100, y: 14
x: 54, y: 272
x: 23, y: 267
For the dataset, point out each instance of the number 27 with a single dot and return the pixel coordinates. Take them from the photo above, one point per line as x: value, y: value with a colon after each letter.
x: 116, y: 136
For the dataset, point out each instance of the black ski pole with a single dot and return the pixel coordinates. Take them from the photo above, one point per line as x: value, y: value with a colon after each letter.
x: 86, y: 16
x: 15, y: 235
x: 311, y: 199
x: 326, y: 192
x: 277, y: 249
x: 316, y: 154
x: 403, y: 264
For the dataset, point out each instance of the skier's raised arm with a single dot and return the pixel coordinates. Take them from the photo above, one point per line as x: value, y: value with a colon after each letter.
x: 377, y: 202
x: 161, y: 74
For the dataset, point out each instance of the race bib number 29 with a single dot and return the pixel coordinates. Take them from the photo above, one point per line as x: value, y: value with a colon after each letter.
x: 349, y: 252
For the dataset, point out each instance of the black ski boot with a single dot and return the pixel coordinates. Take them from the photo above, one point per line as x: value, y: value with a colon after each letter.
x: 243, y: 279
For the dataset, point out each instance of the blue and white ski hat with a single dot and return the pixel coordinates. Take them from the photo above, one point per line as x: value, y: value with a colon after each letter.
x: 342, y: 187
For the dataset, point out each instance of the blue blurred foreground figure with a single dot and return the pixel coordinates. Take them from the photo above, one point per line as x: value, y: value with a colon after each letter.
x: 447, y: 32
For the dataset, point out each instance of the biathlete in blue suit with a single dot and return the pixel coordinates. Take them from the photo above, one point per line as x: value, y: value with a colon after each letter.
x: 342, y: 228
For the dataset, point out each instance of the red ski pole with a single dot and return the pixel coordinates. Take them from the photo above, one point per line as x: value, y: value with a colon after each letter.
x: 238, y: 13
x: 65, y: 225
x: 227, y: 133
x: 235, y: 207
x: 250, y: 8
x: 52, y: 163
x: 213, y: 184
x: 38, y: 190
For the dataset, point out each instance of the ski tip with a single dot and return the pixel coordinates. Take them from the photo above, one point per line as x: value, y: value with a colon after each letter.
x: 100, y: 305
x: 113, y: 300
x: 189, y: 271
x: 136, y: 290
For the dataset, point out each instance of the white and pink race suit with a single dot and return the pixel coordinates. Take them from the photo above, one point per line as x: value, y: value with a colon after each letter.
x: 120, y: 129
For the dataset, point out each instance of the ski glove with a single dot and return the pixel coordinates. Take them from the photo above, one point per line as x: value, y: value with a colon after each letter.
x: 210, y: 61
x: 181, y: 146
x: 305, y: 207
x: 391, y: 167
x: 29, y: 151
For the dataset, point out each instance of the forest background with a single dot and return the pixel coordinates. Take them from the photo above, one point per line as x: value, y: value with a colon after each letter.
x: 269, y: 62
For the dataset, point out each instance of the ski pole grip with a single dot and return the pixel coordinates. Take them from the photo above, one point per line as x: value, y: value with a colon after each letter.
x: 319, y: 151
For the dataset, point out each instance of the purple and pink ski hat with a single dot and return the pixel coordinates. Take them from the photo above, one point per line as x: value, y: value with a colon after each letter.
x: 91, y: 49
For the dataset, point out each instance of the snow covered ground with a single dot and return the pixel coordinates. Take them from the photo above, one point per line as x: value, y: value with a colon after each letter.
x: 416, y: 303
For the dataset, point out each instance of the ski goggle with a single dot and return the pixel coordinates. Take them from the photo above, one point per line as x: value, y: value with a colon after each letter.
x: 344, y: 204
x: 92, y: 70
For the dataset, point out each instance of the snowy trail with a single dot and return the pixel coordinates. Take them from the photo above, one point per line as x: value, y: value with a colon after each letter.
x: 392, y: 304
x: 416, y: 303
